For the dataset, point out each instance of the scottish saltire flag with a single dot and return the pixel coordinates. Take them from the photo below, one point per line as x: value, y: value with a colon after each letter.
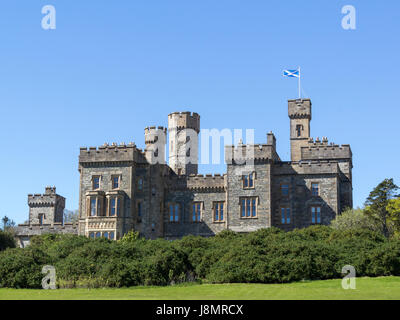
x: 291, y: 73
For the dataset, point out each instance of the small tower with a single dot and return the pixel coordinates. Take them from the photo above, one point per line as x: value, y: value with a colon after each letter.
x: 300, y: 117
x: 47, y: 208
x: 156, y: 140
x: 184, y: 128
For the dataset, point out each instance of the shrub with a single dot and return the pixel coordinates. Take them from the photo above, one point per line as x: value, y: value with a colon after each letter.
x: 6, y: 240
x: 265, y: 256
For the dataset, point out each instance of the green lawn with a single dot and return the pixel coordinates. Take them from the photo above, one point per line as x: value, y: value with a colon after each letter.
x: 367, y: 288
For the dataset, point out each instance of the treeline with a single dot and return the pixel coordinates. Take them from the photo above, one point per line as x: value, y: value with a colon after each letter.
x: 265, y: 256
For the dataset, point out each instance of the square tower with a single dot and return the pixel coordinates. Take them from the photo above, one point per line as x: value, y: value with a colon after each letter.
x: 47, y: 208
x: 300, y: 116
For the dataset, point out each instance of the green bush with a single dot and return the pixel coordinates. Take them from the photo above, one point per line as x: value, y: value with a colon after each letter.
x: 6, y: 240
x: 265, y: 256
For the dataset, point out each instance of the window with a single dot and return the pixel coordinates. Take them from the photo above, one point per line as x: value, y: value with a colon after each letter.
x: 248, y: 207
x: 219, y: 211
x: 93, y: 206
x: 105, y: 235
x: 140, y: 184
x: 98, y: 234
x: 96, y: 182
x: 285, y: 215
x: 315, y: 189
x: 115, y: 204
x: 285, y: 190
x: 111, y: 236
x: 91, y: 235
x: 196, y: 211
x: 299, y: 128
x: 115, y: 182
x: 41, y: 218
x: 248, y: 181
x: 316, y: 215
x: 139, y: 209
x: 174, y: 213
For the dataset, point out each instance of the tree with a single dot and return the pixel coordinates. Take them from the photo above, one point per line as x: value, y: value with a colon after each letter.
x: 71, y: 216
x: 393, y: 208
x: 354, y: 219
x: 377, y: 203
x: 7, y: 223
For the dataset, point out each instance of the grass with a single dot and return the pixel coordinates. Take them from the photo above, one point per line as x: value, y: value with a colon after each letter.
x: 366, y: 288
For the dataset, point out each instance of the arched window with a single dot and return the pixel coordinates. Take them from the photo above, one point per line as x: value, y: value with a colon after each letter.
x: 105, y: 235
x: 98, y: 234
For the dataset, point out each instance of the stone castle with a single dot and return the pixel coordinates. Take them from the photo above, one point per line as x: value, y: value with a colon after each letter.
x: 124, y: 188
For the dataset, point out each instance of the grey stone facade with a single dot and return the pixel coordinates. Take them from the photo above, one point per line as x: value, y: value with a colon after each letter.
x: 124, y: 188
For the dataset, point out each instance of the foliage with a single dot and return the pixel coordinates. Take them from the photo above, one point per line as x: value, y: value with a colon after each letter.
x: 353, y: 219
x: 71, y: 216
x: 7, y: 223
x: 377, y: 203
x: 265, y: 256
x: 130, y: 236
x: 393, y: 208
x: 6, y: 240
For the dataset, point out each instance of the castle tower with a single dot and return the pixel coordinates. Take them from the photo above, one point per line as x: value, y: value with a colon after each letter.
x: 156, y: 140
x: 47, y: 208
x: 300, y: 117
x: 183, y: 128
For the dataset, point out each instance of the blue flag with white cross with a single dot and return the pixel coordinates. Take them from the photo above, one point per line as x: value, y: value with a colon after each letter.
x: 291, y: 73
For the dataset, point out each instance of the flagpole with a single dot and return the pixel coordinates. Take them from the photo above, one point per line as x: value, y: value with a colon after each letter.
x: 299, y: 84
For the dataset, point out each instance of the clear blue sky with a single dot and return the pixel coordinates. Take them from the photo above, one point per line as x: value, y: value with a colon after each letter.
x: 111, y: 68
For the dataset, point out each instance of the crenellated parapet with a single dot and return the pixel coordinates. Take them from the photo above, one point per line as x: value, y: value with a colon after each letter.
x: 207, y: 183
x: 184, y: 120
x: 319, y: 150
x: 248, y: 153
x: 110, y: 153
x: 307, y: 167
x: 153, y: 134
x: 47, y: 199
x: 299, y: 109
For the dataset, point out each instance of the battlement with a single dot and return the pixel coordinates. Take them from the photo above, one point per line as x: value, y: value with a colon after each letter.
x: 184, y: 120
x: 23, y: 230
x: 244, y: 152
x: 109, y: 153
x: 47, y: 199
x: 311, y: 167
x: 318, y: 150
x: 50, y: 190
x: 299, y: 109
x: 208, y: 181
x: 153, y: 134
